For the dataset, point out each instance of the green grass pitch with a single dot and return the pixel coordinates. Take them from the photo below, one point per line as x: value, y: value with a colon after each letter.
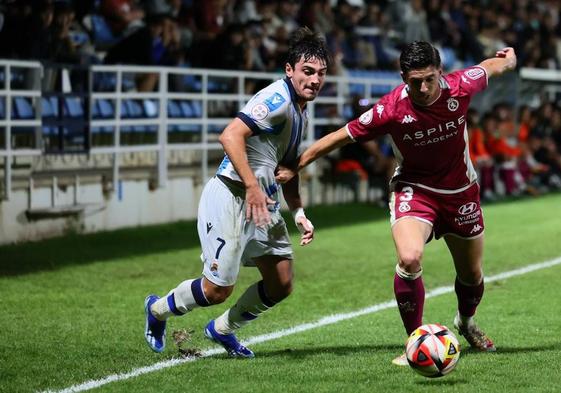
x: 72, y: 310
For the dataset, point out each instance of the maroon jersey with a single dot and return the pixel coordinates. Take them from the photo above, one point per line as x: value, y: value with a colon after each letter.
x: 430, y: 142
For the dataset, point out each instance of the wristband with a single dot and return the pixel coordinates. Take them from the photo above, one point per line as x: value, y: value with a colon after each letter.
x: 297, y: 213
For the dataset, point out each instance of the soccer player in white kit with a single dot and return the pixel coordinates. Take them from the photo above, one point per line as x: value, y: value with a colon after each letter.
x: 239, y: 221
x: 434, y: 188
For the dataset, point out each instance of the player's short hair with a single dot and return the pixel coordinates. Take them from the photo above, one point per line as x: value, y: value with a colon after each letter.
x: 417, y: 55
x: 305, y: 43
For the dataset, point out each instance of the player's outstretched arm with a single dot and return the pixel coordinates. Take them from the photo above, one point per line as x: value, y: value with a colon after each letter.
x: 324, y: 146
x: 504, y: 60
x: 318, y: 149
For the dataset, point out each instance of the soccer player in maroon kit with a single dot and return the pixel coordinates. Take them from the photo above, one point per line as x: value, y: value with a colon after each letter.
x: 434, y: 188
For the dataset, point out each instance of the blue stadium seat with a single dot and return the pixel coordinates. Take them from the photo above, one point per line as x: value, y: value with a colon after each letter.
x: 47, y: 110
x: 54, y: 105
x: 105, y: 108
x: 174, y: 111
x: 104, y: 81
x: 151, y: 108
x: 125, y: 114
x: 73, y: 107
x: 197, y: 107
x: 23, y: 108
x: 124, y: 110
x: 134, y: 109
x: 186, y: 109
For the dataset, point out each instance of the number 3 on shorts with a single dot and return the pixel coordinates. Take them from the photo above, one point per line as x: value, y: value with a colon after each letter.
x: 222, y: 243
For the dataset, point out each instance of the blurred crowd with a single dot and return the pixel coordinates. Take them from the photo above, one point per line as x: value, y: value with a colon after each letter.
x: 516, y: 150
x: 514, y: 153
x: 252, y: 34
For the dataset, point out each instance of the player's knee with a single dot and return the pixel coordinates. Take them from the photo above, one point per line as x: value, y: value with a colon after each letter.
x: 280, y: 290
x: 284, y: 290
x: 216, y: 294
x: 473, y: 278
x: 410, y: 261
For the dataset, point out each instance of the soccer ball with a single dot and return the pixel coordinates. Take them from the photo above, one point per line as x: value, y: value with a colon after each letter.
x: 432, y: 350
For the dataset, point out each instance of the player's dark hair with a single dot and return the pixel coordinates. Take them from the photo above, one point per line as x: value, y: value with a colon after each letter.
x: 417, y: 55
x: 305, y: 43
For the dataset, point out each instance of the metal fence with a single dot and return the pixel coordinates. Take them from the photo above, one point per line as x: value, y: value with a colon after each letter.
x: 46, y: 109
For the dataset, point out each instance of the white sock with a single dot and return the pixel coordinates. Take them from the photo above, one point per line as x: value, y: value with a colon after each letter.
x: 180, y: 300
x: 249, y: 306
x: 465, y: 321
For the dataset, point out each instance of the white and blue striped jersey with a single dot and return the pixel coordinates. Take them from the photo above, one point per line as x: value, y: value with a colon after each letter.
x: 277, y: 124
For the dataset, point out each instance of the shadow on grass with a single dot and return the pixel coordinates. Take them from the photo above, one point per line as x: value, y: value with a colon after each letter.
x: 442, y: 382
x: 302, y: 353
x: 508, y: 350
x: 52, y: 254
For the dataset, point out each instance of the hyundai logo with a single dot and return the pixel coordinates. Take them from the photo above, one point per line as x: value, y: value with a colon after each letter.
x: 467, y: 208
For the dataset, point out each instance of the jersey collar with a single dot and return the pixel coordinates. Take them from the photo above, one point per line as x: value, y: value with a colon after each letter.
x: 293, y: 95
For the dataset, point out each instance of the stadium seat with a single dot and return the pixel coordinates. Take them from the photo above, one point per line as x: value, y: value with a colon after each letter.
x: 134, y: 109
x: 197, y: 108
x: 23, y: 108
x: 174, y: 111
x: 186, y: 110
x: 151, y: 108
x: 47, y: 110
x: 73, y: 107
x: 105, y: 108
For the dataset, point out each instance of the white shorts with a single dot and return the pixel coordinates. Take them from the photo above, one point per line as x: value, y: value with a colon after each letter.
x: 227, y: 240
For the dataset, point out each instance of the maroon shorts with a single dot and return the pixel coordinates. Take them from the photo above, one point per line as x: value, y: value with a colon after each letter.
x: 458, y: 214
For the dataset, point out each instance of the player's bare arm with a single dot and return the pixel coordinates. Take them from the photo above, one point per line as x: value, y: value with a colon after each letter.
x: 318, y: 149
x: 291, y: 192
x: 233, y: 140
x: 504, y: 60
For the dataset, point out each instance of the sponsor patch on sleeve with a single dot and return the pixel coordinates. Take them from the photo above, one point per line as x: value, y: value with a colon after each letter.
x: 366, y: 117
x: 474, y: 73
x: 259, y: 112
x: 275, y: 101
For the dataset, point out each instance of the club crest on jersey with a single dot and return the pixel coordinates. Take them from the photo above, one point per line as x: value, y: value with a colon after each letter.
x: 474, y: 73
x: 453, y: 104
x: 366, y: 117
x: 259, y: 111
x: 379, y: 110
x: 214, y: 269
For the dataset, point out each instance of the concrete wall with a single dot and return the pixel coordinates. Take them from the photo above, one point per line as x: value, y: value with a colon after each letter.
x: 134, y: 203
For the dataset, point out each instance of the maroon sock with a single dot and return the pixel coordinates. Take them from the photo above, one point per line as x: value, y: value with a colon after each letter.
x: 468, y: 297
x: 410, y: 296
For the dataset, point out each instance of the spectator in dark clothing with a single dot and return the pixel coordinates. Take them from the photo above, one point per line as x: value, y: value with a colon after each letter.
x: 233, y: 53
x: 17, y: 17
x: 154, y: 44
x: 123, y: 16
x: 37, y: 37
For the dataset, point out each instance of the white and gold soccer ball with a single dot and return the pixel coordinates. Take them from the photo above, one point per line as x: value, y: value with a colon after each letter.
x: 432, y: 350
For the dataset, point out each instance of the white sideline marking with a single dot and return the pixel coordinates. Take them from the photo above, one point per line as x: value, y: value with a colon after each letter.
x: 328, y: 320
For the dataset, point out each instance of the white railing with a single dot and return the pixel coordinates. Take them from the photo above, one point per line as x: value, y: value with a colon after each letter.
x: 336, y: 94
x: 7, y: 94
